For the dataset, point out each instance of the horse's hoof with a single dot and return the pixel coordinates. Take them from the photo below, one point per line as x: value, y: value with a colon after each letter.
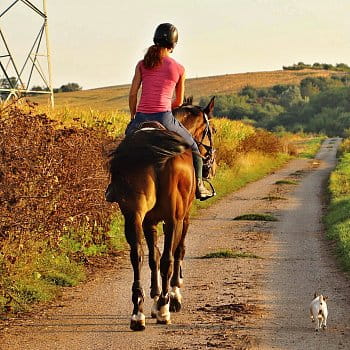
x: 175, y: 300
x: 137, y: 325
x: 175, y: 305
x: 138, y: 322
x: 163, y: 321
x: 163, y: 315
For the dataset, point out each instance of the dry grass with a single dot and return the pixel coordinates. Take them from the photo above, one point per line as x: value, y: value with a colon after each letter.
x: 114, y: 122
x: 116, y: 97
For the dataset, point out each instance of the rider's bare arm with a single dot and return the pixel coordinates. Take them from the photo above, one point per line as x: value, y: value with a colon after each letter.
x: 179, y: 92
x: 135, y: 85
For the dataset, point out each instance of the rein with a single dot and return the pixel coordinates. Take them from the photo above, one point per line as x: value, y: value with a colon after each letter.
x: 208, y: 158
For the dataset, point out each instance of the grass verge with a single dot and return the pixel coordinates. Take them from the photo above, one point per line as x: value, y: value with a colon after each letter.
x: 256, y: 217
x: 309, y: 147
x: 37, y: 277
x: 286, y: 182
x: 337, y: 219
x: 39, y: 274
x: 229, y: 254
x: 273, y: 198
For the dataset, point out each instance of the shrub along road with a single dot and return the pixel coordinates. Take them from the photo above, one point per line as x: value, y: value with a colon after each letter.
x: 258, y: 298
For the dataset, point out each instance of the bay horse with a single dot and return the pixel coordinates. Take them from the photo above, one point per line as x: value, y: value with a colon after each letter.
x: 153, y: 177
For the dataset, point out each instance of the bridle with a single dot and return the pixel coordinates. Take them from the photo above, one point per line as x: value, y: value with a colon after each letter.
x: 209, y: 156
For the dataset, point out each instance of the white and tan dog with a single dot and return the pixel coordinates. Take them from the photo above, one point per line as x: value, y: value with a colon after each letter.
x: 319, y: 311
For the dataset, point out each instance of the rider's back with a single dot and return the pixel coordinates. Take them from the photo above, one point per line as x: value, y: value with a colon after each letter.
x: 158, y: 84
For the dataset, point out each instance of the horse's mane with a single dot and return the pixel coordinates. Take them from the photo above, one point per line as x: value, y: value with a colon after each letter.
x: 144, y: 148
x: 187, y: 110
x: 188, y: 115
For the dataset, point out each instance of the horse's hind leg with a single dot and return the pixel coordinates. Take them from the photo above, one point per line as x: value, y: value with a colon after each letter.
x: 133, y: 234
x: 150, y: 232
x: 172, y: 232
x: 177, y: 277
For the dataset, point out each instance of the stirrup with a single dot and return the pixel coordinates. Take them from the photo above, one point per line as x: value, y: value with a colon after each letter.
x: 213, y: 193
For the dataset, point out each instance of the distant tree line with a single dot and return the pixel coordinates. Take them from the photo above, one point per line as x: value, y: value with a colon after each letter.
x: 12, y: 82
x: 8, y: 84
x: 326, y: 66
x: 64, y: 88
x: 317, y: 104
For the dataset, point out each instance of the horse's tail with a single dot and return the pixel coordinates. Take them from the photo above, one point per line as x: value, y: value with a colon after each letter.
x: 144, y: 148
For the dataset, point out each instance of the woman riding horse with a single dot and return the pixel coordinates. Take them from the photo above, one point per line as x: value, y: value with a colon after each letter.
x: 161, y: 76
x: 155, y: 172
x: 153, y: 180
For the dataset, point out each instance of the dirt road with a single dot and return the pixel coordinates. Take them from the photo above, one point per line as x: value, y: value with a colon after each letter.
x: 257, y: 302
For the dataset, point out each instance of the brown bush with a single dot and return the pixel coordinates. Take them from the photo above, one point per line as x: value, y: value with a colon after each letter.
x: 50, y: 179
x: 261, y: 141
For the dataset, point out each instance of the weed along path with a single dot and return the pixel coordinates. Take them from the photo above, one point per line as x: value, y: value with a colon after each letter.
x: 247, y: 284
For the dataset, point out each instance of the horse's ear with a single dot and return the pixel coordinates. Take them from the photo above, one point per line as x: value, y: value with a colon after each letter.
x: 188, y: 101
x: 209, y: 109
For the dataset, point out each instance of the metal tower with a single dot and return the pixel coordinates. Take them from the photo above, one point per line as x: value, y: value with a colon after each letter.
x: 18, y: 77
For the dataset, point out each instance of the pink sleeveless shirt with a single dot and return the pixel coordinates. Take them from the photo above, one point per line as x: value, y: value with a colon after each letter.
x: 158, y: 85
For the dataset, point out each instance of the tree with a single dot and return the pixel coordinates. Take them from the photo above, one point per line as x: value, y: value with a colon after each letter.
x: 342, y: 66
x: 70, y: 87
x: 279, y: 89
x: 249, y: 91
x: 12, y: 83
x: 291, y: 96
x: 308, y: 89
x: 327, y: 66
x: 230, y: 106
x: 39, y: 88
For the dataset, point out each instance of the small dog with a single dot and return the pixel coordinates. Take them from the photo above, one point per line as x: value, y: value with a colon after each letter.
x: 319, y: 311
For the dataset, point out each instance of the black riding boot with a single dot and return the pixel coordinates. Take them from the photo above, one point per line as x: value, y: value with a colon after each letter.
x: 201, y: 192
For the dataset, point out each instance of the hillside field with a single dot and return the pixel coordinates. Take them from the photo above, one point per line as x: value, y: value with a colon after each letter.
x: 116, y: 97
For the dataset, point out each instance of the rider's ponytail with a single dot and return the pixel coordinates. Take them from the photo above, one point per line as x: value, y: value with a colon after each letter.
x: 153, y: 57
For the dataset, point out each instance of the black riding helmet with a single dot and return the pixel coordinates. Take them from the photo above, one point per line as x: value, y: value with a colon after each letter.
x: 166, y: 35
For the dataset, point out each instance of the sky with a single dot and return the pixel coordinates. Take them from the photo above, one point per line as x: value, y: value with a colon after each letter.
x: 98, y: 43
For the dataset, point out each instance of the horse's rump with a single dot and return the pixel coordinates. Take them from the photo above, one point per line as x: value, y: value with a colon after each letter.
x: 139, y: 160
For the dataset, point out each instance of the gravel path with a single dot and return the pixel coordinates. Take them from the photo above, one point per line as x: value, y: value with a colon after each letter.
x: 257, y: 302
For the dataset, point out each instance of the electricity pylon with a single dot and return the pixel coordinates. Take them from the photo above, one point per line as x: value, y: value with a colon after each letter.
x: 19, y: 83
